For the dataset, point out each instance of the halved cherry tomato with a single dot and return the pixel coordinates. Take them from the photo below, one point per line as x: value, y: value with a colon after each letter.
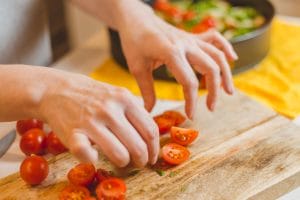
x: 90, y: 198
x: 164, y: 124
x: 111, y: 189
x: 204, y: 25
x: 82, y: 174
x: 54, y: 146
x: 102, y: 175
x: 183, y: 136
x: 175, y: 154
x: 174, y: 115
x: 33, y: 142
x: 74, y: 192
x: 24, y: 125
x: 34, y: 169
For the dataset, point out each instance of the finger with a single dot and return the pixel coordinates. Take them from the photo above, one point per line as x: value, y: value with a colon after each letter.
x: 129, y: 137
x: 219, y: 57
x: 215, y: 38
x: 144, y: 124
x: 205, y: 65
x: 109, y: 144
x: 81, y: 147
x: 184, y: 74
x: 146, y: 85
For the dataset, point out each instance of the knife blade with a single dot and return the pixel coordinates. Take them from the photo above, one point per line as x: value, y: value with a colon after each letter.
x: 7, y: 141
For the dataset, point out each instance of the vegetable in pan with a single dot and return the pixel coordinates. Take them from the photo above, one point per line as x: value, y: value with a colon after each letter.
x: 199, y: 16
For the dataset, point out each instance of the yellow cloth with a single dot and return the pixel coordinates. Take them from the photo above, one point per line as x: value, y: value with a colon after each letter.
x: 274, y: 82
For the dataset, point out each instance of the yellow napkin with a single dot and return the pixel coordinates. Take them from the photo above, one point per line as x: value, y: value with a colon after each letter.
x: 274, y: 82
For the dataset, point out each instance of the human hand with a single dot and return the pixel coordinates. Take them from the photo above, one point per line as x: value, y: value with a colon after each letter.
x: 148, y: 42
x: 80, y: 109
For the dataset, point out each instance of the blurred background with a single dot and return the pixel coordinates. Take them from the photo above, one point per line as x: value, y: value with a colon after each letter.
x: 78, y: 26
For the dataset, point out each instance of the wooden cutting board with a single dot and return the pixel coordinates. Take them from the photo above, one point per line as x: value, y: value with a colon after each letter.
x: 244, y: 151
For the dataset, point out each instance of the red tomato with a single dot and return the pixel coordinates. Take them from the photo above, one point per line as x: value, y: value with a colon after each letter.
x: 24, y: 125
x: 175, y: 154
x: 90, y: 198
x: 204, y: 25
x: 188, y: 15
x: 111, y: 189
x: 33, y: 142
x: 102, y: 175
x: 174, y: 115
x: 161, y: 5
x: 164, y: 124
x: 168, y: 9
x: 183, y: 136
x: 54, y: 146
x: 73, y: 192
x: 34, y: 169
x: 82, y: 174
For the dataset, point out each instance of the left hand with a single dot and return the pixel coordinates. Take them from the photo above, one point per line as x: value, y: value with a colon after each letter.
x: 148, y: 42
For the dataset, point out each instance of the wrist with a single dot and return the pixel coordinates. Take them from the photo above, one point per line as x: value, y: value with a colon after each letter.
x: 131, y: 13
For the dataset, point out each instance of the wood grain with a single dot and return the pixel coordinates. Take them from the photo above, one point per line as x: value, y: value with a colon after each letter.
x: 244, y: 151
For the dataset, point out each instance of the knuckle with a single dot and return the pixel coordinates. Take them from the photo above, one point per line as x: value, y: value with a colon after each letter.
x: 220, y: 55
x: 192, y: 83
x: 173, y: 51
x: 152, y: 134
x: 215, y: 34
x: 124, y: 96
x: 214, y: 70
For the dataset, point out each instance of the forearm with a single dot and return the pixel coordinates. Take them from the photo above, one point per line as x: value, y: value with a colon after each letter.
x: 115, y: 12
x: 21, y: 91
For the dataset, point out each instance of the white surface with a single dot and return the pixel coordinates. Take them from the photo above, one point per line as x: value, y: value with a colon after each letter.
x: 84, y: 60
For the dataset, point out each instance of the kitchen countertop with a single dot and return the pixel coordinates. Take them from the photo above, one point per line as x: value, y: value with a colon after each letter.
x: 84, y: 60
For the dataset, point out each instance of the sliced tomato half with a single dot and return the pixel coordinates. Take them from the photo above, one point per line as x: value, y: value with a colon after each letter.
x: 111, y: 189
x: 164, y: 124
x: 74, y: 192
x: 82, y: 174
x: 175, y: 154
x: 183, y: 136
x: 174, y: 115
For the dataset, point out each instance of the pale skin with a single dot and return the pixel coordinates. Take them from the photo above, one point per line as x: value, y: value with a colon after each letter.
x: 79, y: 109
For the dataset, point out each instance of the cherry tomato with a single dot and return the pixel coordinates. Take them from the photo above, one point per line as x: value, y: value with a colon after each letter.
x: 161, y: 5
x: 75, y: 192
x: 82, y: 174
x: 175, y: 154
x: 33, y: 142
x: 34, y: 169
x: 164, y: 124
x: 90, y: 198
x: 183, y: 136
x: 204, y: 25
x: 102, y: 175
x: 54, y: 146
x: 174, y: 115
x: 188, y: 15
x: 24, y: 125
x: 111, y: 189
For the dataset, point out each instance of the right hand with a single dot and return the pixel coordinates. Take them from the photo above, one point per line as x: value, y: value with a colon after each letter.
x: 80, y: 109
